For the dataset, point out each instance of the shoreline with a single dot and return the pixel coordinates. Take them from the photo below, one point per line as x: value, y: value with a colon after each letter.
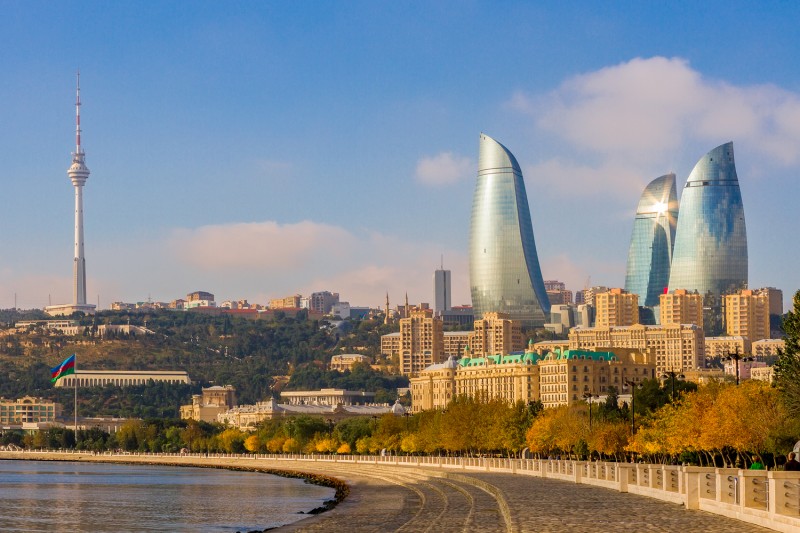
x: 341, y: 488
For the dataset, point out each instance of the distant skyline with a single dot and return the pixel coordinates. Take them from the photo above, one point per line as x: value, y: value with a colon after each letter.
x: 260, y: 150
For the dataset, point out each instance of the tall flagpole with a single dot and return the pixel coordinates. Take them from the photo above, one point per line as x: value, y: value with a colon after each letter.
x: 75, y: 414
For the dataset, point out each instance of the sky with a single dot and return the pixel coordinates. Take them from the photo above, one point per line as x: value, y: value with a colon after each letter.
x: 261, y: 149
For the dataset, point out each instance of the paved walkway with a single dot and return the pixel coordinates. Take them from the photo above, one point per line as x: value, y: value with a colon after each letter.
x: 386, y: 498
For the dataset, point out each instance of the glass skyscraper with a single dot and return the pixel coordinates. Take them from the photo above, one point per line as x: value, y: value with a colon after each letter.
x: 710, y: 254
x: 503, y: 265
x: 652, y: 241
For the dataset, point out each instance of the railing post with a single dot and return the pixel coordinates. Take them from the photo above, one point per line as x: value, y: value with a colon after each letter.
x: 690, y: 482
x: 623, y: 474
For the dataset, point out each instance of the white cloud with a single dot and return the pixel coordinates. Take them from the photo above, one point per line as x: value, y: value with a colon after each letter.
x: 571, y: 178
x: 260, y: 245
x: 645, y: 109
x: 443, y: 169
x: 268, y: 259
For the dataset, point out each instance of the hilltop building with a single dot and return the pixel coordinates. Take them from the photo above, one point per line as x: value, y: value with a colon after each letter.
x: 122, y: 378
x: 199, y: 299
x: 213, y: 401
x: 347, y: 361
x: 505, y: 276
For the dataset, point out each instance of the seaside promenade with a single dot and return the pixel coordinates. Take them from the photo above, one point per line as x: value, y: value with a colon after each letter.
x: 391, y: 497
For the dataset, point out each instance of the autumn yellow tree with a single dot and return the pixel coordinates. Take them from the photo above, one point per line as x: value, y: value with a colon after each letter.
x: 558, y: 430
x: 253, y: 444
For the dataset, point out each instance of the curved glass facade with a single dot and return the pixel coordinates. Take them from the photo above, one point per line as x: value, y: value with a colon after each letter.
x: 652, y: 241
x: 503, y: 265
x: 710, y: 254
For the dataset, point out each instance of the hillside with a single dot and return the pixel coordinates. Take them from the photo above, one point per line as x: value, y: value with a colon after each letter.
x: 212, y: 349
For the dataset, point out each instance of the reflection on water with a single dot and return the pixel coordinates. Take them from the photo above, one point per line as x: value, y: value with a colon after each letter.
x: 56, y: 496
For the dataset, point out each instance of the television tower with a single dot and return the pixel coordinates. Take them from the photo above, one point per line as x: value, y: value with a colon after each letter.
x: 78, y: 172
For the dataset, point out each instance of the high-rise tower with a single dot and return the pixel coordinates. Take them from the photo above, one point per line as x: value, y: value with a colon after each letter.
x: 78, y: 172
x: 441, y: 290
x: 710, y: 254
x: 652, y: 241
x: 503, y: 265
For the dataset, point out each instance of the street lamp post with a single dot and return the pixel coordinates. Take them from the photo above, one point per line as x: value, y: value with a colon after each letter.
x: 736, y: 357
x: 588, y: 397
x: 672, y: 376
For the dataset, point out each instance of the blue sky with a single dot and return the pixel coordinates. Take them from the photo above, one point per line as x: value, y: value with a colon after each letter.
x: 258, y: 149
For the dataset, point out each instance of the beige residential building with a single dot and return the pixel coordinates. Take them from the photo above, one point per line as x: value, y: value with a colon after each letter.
x: 681, y: 307
x: 513, y: 378
x: 213, y: 401
x: 702, y: 376
x: 559, y: 297
x: 775, y: 299
x: 390, y: 345
x: 767, y: 347
x: 676, y: 347
x: 421, y: 341
x: 747, y: 314
x: 725, y: 346
x: 28, y: 410
x: 616, y: 307
x: 766, y: 373
x: 565, y: 377
x: 588, y: 295
x: 496, y: 333
x: 455, y: 342
x: 288, y: 302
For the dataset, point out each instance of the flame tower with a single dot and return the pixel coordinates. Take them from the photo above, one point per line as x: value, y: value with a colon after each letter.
x: 78, y: 173
x: 503, y: 264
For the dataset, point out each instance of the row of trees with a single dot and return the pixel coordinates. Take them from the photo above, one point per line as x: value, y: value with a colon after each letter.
x: 718, y: 423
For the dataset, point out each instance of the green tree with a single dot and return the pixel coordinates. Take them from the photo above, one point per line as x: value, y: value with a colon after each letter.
x: 787, y: 367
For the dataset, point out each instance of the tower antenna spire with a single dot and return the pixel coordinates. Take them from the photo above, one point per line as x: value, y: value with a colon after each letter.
x: 78, y: 114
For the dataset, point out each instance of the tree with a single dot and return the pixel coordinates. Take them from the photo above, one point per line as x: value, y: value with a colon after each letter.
x: 787, y: 367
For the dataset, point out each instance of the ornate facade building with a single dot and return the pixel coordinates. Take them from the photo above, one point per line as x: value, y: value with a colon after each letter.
x: 675, y: 347
x: 558, y: 378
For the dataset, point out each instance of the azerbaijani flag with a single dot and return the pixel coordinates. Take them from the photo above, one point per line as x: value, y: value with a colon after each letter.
x: 64, y: 369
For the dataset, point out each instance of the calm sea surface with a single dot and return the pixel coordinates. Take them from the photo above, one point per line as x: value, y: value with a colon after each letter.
x: 56, y: 496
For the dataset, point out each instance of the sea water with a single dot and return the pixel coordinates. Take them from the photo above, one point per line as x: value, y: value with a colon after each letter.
x: 98, y: 497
